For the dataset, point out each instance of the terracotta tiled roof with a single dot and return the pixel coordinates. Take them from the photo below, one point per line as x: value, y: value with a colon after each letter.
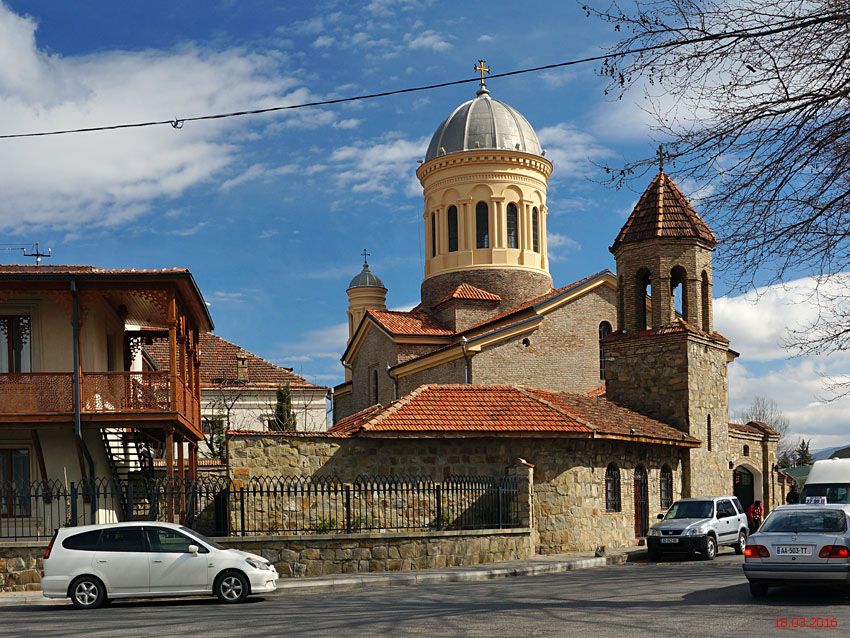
x: 219, y: 363
x: 608, y: 417
x: 753, y: 427
x: 470, y: 410
x: 32, y: 269
x: 469, y: 293
x: 663, y: 211
x: 412, y: 323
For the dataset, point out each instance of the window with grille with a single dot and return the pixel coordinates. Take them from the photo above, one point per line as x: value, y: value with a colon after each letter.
x: 604, y: 331
x: 535, y: 230
x: 452, y: 224
x: 15, y: 343
x: 612, y: 488
x: 482, y: 225
x: 513, y: 226
x: 666, y: 487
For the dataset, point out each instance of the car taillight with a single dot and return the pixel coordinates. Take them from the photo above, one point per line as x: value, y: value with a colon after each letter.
x: 756, y: 551
x: 50, y: 544
x: 834, y: 551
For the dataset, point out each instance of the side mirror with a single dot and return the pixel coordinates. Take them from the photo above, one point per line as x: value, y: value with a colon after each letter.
x: 660, y: 517
x: 193, y: 550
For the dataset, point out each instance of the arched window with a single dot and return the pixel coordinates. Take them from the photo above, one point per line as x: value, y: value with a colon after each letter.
x: 612, y: 488
x: 604, y: 331
x: 513, y: 226
x: 642, y: 288
x: 666, y: 487
x: 433, y: 234
x: 452, y: 223
x: 706, y: 302
x: 621, y: 302
x: 374, y: 387
x: 482, y: 225
x: 746, y: 450
x: 679, y: 291
x: 708, y: 433
x: 535, y: 230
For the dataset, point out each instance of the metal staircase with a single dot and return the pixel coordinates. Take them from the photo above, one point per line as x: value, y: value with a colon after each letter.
x: 130, y: 463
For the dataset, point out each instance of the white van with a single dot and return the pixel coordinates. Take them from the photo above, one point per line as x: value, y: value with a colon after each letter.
x: 828, y: 482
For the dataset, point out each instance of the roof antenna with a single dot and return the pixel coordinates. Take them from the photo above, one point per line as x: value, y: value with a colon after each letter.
x: 33, y: 249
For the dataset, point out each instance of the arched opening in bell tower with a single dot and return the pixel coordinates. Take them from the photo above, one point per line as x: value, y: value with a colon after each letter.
x: 643, y: 287
x: 679, y: 292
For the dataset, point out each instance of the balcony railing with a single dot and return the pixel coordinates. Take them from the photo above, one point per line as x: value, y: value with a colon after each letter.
x: 49, y: 393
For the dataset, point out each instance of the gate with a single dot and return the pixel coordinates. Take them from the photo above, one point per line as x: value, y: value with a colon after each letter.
x: 641, y: 502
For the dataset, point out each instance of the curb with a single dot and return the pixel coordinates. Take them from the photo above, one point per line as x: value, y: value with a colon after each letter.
x: 345, y: 582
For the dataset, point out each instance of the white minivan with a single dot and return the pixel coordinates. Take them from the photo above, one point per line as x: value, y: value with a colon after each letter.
x: 828, y: 482
x: 93, y: 563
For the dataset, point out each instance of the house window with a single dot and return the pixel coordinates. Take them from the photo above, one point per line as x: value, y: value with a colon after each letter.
x: 482, y: 225
x: 612, y: 488
x: 374, y: 387
x: 15, y: 343
x: 746, y: 450
x: 433, y: 235
x: 452, y: 223
x: 705, y: 293
x: 535, y: 230
x: 214, y: 425
x: 604, y: 331
x: 666, y: 487
x: 14, y: 482
x: 513, y: 226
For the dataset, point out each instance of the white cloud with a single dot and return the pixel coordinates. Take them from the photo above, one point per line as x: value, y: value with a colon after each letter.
x: 380, y: 166
x: 485, y: 38
x: 223, y: 297
x: 106, y: 178
x: 429, y: 40
x: 269, y: 233
x: 570, y: 150
x: 348, y: 123
x: 323, y: 41
x: 257, y: 172
x: 557, y: 79
x: 559, y: 246
x: 391, y: 7
x: 322, y: 343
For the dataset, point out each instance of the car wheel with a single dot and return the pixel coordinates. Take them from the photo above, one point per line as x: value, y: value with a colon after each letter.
x: 758, y: 590
x: 742, y: 543
x: 87, y: 592
x: 231, y: 587
x: 710, y: 548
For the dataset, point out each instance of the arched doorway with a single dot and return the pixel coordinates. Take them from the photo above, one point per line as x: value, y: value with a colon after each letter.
x: 744, y: 486
x: 641, y: 502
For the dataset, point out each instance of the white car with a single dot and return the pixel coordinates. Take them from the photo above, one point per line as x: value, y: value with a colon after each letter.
x: 93, y: 563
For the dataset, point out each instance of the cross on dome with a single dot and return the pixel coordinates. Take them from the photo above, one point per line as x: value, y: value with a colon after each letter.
x: 483, y: 69
x: 365, y: 254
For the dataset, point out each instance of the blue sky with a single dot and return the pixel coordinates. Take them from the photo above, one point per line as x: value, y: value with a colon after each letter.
x: 271, y: 212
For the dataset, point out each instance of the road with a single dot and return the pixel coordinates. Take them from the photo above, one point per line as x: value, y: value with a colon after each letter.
x: 679, y: 598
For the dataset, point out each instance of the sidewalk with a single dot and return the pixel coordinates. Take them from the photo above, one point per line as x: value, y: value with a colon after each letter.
x: 539, y: 565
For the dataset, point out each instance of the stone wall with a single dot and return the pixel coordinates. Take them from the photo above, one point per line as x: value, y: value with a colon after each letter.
x: 562, y: 354
x: 569, y: 474
x: 21, y: 565
x: 318, y: 555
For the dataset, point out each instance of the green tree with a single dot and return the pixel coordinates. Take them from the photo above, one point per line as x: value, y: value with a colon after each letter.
x: 284, y: 416
x: 804, y: 457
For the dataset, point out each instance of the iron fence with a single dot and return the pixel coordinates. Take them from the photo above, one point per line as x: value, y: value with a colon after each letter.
x: 218, y: 506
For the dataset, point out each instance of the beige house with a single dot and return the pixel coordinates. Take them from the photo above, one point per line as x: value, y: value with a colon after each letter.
x: 74, y: 404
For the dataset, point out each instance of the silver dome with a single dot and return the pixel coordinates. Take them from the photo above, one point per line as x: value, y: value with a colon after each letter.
x: 366, y: 279
x: 483, y: 123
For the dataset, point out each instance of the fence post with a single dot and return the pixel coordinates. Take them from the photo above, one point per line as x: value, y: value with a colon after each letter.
x: 499, y: 510
x: 523, y: 471
x: 348, y: 509
x: 73, y: 521
x: 129, y: 516
x: 242, y: 509
x: 439, y: 524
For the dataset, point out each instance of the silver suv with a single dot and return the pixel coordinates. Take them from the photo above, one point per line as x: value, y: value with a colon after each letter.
x: 699, y: 525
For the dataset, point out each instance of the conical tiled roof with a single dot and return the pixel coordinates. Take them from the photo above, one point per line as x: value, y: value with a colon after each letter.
x: 663, y: 211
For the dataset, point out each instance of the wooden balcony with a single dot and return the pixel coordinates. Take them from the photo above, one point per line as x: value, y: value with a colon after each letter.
x: 105, y: 396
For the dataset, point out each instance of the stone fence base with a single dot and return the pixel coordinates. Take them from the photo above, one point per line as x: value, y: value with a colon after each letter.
x: 319, y: 555
x: 21, y: 563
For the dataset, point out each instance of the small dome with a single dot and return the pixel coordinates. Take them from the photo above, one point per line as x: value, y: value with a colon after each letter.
x: 366, y: 279
x: 483, y: 123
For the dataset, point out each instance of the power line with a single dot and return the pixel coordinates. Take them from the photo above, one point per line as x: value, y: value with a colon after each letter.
x: 177, y: 123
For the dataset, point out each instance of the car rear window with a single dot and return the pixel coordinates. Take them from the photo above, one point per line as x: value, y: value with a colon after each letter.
x: 833, y: 492
x: 806, y: 520
x: 87, y: 541
x: 122, y: 539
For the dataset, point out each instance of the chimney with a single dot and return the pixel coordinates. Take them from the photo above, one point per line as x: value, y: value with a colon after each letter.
x: 241, y: 367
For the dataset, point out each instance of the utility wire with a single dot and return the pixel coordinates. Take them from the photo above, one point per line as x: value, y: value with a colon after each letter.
x: 770, y: 29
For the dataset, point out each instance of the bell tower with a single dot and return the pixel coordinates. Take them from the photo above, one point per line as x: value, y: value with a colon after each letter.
x: 665, y: 360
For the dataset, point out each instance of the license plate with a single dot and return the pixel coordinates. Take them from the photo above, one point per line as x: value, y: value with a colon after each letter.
x: 793, y: 550
x: 669, y: 540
